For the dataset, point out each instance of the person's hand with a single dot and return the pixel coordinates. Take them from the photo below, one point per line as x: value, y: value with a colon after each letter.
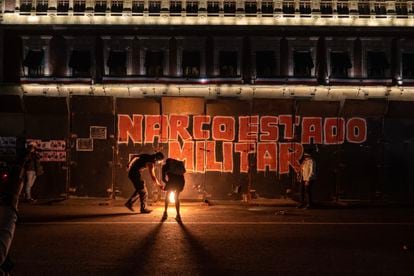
x: 306, y: 183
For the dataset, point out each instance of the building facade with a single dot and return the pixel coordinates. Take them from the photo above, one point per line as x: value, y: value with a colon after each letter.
x: 237, y: 89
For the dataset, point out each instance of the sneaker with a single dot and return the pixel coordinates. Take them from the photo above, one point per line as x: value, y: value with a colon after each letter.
x: 129, y: 206
x: 145, y: 211
x: 178, y: 218
x: 164, y: 216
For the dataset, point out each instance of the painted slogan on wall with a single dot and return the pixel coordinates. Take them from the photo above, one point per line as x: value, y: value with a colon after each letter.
x: 210, y: 143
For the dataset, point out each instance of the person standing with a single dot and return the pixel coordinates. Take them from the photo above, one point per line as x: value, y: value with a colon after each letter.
x: 173, y: 176
x: 308, y: 172
x: 135, y: 168
x: 32, y: 168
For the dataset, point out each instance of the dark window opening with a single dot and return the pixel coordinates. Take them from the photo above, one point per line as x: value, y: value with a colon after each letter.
x: 154, y: 63
x: 288, y: 7
x: 229, y: 7
x: 26, y: 7
x: 154, y: 7
x: 191, y: 63
x: 117, y: 6
x: 250, y: 7
x: 408, y: 65
x: 326, y: 7
x: 305, y: 8
x: 79, y: 7
x: 363, y: 7
x: 340, y: 63
x: 267, y: 7
x: 228, y: 64
x: 265, y: 64
x: 100, y: 7
x: 213, y: 7
x: 41, y: 7
x: 80, y: 62
x: 175, y: 7
x: 303, y: 64
x: 191, y: 7
x: 377, y: 64
x: 342, y: 7
x: 401, y: 8
x: 117, y: 63
x: 34, y: 62
x: 63, y: 7
x: 137, y: 7
x: 380, y: 8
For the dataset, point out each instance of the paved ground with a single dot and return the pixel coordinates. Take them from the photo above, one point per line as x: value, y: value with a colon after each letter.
x: 104, y: 238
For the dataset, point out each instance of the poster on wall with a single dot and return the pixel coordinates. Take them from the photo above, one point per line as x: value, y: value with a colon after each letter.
x: 84, y: 144
x: 7, y: 148
x: 97, y: 132
x: 7, y: 142
x: 50, y: 150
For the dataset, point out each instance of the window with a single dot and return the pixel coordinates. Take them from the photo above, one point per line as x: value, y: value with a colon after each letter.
x: 265, y: 64
x: 250, y: 7
x: 34, y: 62
x: 213, y: 7
x: 228, y: 64
x: 154, y: 7
x: 191, y: 63
x: 288, y: 7
x: 117, y: 6
x: 380, y: 8
x: 363, y: 7
x: 79, y: 6
x: 305, y: 7
x: 229, y: 7
x: 191, y: 7
x: 25, y: 6
x: 63, y: 7
x: 303, y: 64
x: 41, y: 7
x: 175, y: 7
x: 100, y: 6
x: 377, y: 64
x: 117, y: 63
x: 401, y: 7
x: 137, y: 6
x: 326, y: 7
x: 340, y: 63
x: 80, y: 63
x: 154, y: 63
x: 342, y: 7
x: 408, y: 65
x: 267, y: 7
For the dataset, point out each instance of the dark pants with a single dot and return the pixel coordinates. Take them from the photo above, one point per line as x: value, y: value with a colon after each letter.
x: 140, y: 191
x: 306, y: 193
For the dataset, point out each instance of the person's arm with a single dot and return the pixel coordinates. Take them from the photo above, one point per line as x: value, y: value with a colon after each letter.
x: 151, y: 169
x: 164, y: 174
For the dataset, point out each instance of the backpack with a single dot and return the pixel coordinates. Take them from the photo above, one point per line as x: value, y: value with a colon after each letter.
x: 176, y: 166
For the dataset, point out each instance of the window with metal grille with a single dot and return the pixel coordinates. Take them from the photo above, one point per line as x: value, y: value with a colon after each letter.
x: 288, y: 7
x: 326, y: 7
x: 267, y: 7
x: 342, y: 7
x: 228, y: 63
x: 33, y: 61
x: 265, y: 64
x: 250, y: 7
x: 408, y: 65
x: 80, y: 63
x: 117, y: 6
x: 154, y: 63
x: 302, y: 64
x: 380, y: 7
x: 401, y: 7
x: 305, y: 7
x: 175, y: 7
x: 191, y: 64
x: 213, y: 7
x: 41, y: 7
x: 137, y: 6
x: 25, y: 6
x: 340, y: 64
x: 100, y: 6
x: 117, y: 63
x: 191, y: 7
x: 154, y: 7
x: 377, y: 64
x: 363, y: 7
x: 79, y: 6
x: 63, y: 6
x: 229, y: 7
